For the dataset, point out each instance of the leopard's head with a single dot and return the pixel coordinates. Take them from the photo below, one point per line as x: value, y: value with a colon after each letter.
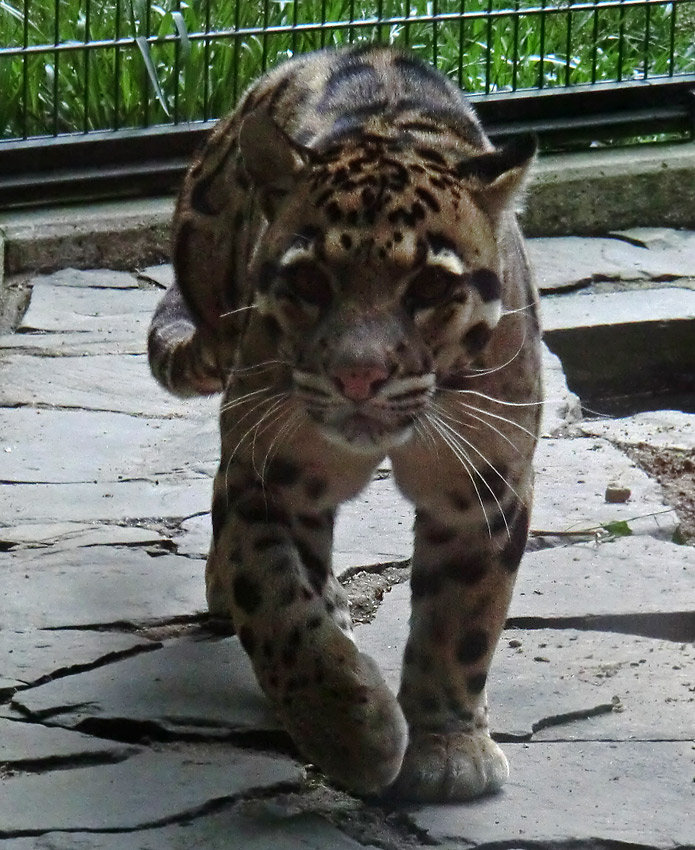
x: 379, y: 269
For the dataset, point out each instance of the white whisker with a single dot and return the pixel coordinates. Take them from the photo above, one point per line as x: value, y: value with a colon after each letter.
x: 482, y: 478
x: 238, y: 310
x: 483, y: 412
x: 285, y: 433
x: 518, y: 310
x: 499, y: 400
x: 460, y: 454
x: 451, y: 418
x: 477, y: 373
x: 235, y: 402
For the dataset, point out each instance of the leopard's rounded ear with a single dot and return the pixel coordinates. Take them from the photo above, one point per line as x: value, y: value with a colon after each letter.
x: 498, y: 178
x: 272, y: 160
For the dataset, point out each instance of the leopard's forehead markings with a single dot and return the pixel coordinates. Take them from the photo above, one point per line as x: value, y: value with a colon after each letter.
x: 400, y: 247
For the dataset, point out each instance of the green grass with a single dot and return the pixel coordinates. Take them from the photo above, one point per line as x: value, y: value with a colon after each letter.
x: 159, y: 67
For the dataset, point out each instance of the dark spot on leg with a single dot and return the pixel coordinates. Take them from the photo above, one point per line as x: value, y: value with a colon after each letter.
x: 510, y: 557
x: 220, y: 508
x: 282, y: 472
x: 465, y: 569
x: 315, y: 522
x: 475, y: 684
x: 315, y: 487
x: 494, y: 481
x: 438, y: 535
x: 313, y: 623
x: 247, y: 594
x: 429, y: 704
x: 459, y: 501
x: 247, y: 639
x: 424, y: 583
x: 288, y: 657
x: 269, y: 541
x: 316, y: 568
x: 257, y: 507
x: 472, y: 647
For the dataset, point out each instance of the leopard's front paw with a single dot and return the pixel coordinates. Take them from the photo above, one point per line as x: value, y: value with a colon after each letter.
x: 352, y: 727
x: 448, y: 767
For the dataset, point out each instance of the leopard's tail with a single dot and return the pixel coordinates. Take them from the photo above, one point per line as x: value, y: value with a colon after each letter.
x: 183, y: 356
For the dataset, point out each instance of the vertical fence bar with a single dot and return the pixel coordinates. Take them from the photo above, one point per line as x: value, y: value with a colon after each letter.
x: 435, y: 33
x: 145, y: 76
x: 594, y: 42
x: 462, y: 32
x: 177, y: 69
x: 322, y: 35
x: 406, y: 25
x: 25, y: 72
x: 351, y: 29
x: 56, y: 64
x: 85, y: 94
x: 647, y: 37
x: 207, y: 50
x: 488, y: 47
x: 621, y: 42
x: 515, y: 47
x: 568, y: 45
x: 235, y: 59
x: 541, y: 48
x: 295, y: 21
x: 672, y: 38
x: 117, y: 68
x: 264, y: 35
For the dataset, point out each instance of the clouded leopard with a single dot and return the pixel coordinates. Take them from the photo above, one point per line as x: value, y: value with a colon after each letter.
x: 351, y: 277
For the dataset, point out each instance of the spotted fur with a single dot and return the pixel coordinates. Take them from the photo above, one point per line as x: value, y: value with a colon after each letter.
x: 351, y: 276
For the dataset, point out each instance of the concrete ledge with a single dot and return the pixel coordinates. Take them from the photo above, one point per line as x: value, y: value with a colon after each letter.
x: 582, y: 193
x: 119, y: 234
x: 596, y: 192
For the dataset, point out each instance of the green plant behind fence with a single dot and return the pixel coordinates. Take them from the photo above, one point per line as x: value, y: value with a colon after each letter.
x: 82, y: 65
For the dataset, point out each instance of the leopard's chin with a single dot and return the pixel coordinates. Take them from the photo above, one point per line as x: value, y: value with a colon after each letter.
x: 364, y: 435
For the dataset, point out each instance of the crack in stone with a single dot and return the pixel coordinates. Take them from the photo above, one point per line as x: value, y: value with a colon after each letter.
x: 208, y: 807
x: 55, y: 763
x: 132, y: 626
x: 675, y: 626
x: 76, y: 669
x: 127, y: 730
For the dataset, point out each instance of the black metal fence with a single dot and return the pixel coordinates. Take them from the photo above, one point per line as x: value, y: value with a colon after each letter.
x: 140, y: 72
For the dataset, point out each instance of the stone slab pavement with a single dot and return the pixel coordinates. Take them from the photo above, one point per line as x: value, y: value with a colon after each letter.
x: 126, y: 725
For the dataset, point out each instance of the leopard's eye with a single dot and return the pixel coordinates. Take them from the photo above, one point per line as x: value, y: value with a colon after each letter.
x: 432, y: 286
x: 306, y: 283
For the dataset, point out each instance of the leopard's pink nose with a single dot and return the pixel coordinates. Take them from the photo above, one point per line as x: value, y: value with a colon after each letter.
x: 359, y: 383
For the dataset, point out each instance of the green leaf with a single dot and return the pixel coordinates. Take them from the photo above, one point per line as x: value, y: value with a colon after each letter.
x: 619, y: 528
x: 144, y: 47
